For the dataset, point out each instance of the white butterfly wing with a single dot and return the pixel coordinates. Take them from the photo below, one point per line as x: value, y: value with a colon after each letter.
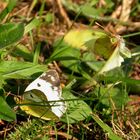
x: 51, y: 91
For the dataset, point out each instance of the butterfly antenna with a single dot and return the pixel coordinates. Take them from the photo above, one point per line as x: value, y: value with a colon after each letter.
x: 100, y: 25
x: 109, y: 33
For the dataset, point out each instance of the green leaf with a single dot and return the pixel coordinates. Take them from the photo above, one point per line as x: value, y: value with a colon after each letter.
x: 49, y: 18
x: 72, y: 6
x: 71, y: 63
x: 33, y: 24
x: 108, y: 94
x: 22, y: 51
x: 8, y: 9
x: 68, y: 55
x: 2, y: 81
x: 19, y: 70
x: 90, y: 11
x: 132, y: 84
x: 117, y: 78
x: 10, y: 33
x: 36, y: 54
x: 90, y: 60
x: 117, y: 75
x: 6, y: 113
x: 77, y: 110
x: 106, y: 128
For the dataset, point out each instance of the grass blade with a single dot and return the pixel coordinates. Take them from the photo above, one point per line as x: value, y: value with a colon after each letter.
x: 106, y: 128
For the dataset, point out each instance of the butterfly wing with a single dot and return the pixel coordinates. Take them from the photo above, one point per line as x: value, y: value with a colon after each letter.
x: 36, y: 104
x: 43, y: 97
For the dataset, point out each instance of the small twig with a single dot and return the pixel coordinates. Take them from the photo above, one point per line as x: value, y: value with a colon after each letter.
x: 117, y: 12
x: 133, y: 26
x: 132, y: 128
x: 114, y: 108
x: 65, y: 135
x: 34, y: 2
x: 126, y: 9
x: 63, y: 13
x: 125, y: 13
x: 102, y: 3
x: 57, y: 67
x: 22, y: 10
x: 119, y: 130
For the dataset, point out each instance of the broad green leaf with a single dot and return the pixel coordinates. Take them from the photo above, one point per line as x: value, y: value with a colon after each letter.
x: 8, y: 9
x: 68, y: 55
x: 71, y: 53
x: 77, y: 110
x: 6, y: 113
x: 70, y: 58
x: 108, y: 94
x: 22, y: 51
x: 106, y: 128
x: 10, y: 33
x: 19, y: 70
x: 90, y: 60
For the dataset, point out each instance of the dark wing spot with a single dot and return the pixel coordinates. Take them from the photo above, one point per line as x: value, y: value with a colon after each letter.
x: 52, y: 77
x: 31, y: 95
x: 38, y: 85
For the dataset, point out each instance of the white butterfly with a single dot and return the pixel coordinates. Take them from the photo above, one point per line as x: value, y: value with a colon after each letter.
x: 42, y: 98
